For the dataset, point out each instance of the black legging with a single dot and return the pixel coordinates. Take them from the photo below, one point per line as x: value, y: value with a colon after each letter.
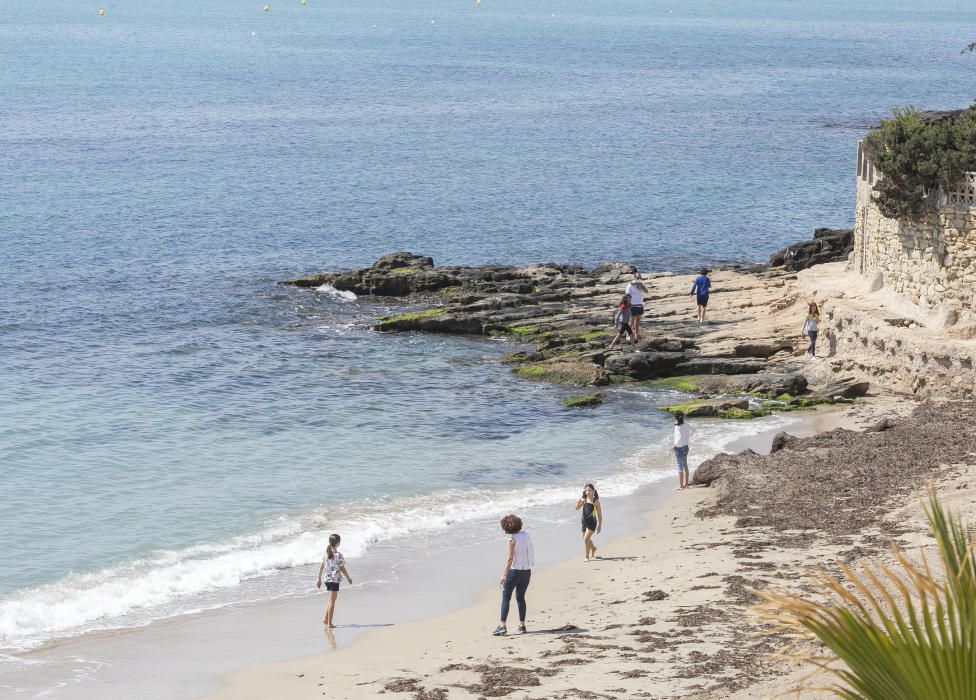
x: 517, y: 580
x: 813, y: 342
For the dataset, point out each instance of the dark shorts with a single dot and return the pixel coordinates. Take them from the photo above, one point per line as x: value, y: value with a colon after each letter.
x: 330, y: 586
x: 589, y: 524
x: 703, y: 301
x: 636, y: 310
x: 625, y: 329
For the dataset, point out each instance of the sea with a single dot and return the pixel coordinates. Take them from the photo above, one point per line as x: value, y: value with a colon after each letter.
x: 179, y: 432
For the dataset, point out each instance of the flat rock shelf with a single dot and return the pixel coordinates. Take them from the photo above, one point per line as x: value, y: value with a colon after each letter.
x: 749, y: 345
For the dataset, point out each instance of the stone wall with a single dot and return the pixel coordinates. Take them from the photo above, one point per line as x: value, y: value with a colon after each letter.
x: 864, y: 334
x: 931, y: 263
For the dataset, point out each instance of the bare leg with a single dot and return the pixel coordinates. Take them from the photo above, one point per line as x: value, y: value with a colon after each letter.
x: 684, y: 478
x: 614, y: 341
x: 330, y: 610
x: 587, y: 534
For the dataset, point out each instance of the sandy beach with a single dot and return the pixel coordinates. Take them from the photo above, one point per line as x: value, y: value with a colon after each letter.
x: 663, y: 612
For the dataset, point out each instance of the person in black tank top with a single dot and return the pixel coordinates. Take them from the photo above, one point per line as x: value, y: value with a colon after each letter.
x: 592, y: 523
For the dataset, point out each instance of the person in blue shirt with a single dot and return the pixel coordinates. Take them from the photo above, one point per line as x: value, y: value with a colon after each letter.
x: 699, y: 290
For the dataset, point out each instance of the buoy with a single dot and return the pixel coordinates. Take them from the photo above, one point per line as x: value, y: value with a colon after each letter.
x: 254, y: 34
x: 101, y: 12
x: 304, y: 2
x: 477, y: 2
x: 432, y: 21
x: 267, y: 8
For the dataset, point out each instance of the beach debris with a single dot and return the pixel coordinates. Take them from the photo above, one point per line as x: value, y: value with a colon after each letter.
x: 882, y: 425
x: 101, y: 12
x: 267, y: 8
x: 656, y: 594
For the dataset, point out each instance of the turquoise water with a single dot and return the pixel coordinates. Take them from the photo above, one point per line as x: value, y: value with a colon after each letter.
x: 177, y: 431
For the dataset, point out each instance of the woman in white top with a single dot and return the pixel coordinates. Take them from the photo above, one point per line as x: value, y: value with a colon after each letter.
x: 811, y: 325
x: 682, y: 432
x: 636, y: 290
x: 518, y: 570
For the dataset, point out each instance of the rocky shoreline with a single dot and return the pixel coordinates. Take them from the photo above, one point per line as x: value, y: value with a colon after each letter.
x: 745, y: 361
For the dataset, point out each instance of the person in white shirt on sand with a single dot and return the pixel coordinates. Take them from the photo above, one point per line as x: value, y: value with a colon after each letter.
x: 682, y: 432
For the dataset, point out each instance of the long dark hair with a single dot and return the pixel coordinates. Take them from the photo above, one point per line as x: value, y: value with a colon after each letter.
x: 679, y: 417
x: 813, y: 309
x: 625, y: 301
x: 334, y: 541
x: 596, y: 496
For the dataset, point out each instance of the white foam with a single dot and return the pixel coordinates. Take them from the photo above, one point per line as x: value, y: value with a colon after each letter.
x: 339, y: 294
x: 173, y: 582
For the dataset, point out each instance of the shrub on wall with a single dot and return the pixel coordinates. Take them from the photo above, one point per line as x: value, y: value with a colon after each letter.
x: 916, y: 154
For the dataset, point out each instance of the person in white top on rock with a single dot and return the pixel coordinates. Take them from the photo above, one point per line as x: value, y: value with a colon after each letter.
x: 811, y: 326
x: 636, y: 290
x: 517, y: 572
x: 682, y: 432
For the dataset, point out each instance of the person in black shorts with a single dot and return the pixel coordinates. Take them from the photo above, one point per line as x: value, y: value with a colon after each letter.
x: 700, y: 289
x: 621, y: 322
x: 589, y: 503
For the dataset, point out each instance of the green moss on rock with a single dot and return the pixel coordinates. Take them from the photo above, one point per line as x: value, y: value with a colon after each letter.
x: 411, y: 315
x: 593, y: 335
x: 689, y: 383
x: 562, y: 374
x: 744, y: 413
x: 683, y: 407
x: 583, y: 400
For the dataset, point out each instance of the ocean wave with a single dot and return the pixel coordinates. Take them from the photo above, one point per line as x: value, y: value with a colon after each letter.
x: 339, y: 294
x: 170, y: 582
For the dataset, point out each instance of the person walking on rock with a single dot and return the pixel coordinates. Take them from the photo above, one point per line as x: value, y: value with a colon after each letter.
x: 682, y: 433
x: 811, y: 325
x: 517, y: 572
x: 621, y: 322
x: 636, y: 290
x: 700, y: 289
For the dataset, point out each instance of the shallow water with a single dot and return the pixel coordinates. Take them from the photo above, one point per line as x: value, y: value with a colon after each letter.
x: 179, y: 432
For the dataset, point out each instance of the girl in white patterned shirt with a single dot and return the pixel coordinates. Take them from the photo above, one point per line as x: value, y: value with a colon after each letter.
x: 334, y: 567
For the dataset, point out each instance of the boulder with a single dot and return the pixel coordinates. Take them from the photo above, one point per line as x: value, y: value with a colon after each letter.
x: 643, y: 365
x: 709, y: 408
x: 720, y: 365
x: 763, y: 350
x: 665, y: 344
x: 715, y: 468
x: 399, y: 261
x: 845, y: 389
x: 781, y: 440
x: 442, y: 323
x: 770, y: 383
x: 828, y: 245
x: 501, y: 301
